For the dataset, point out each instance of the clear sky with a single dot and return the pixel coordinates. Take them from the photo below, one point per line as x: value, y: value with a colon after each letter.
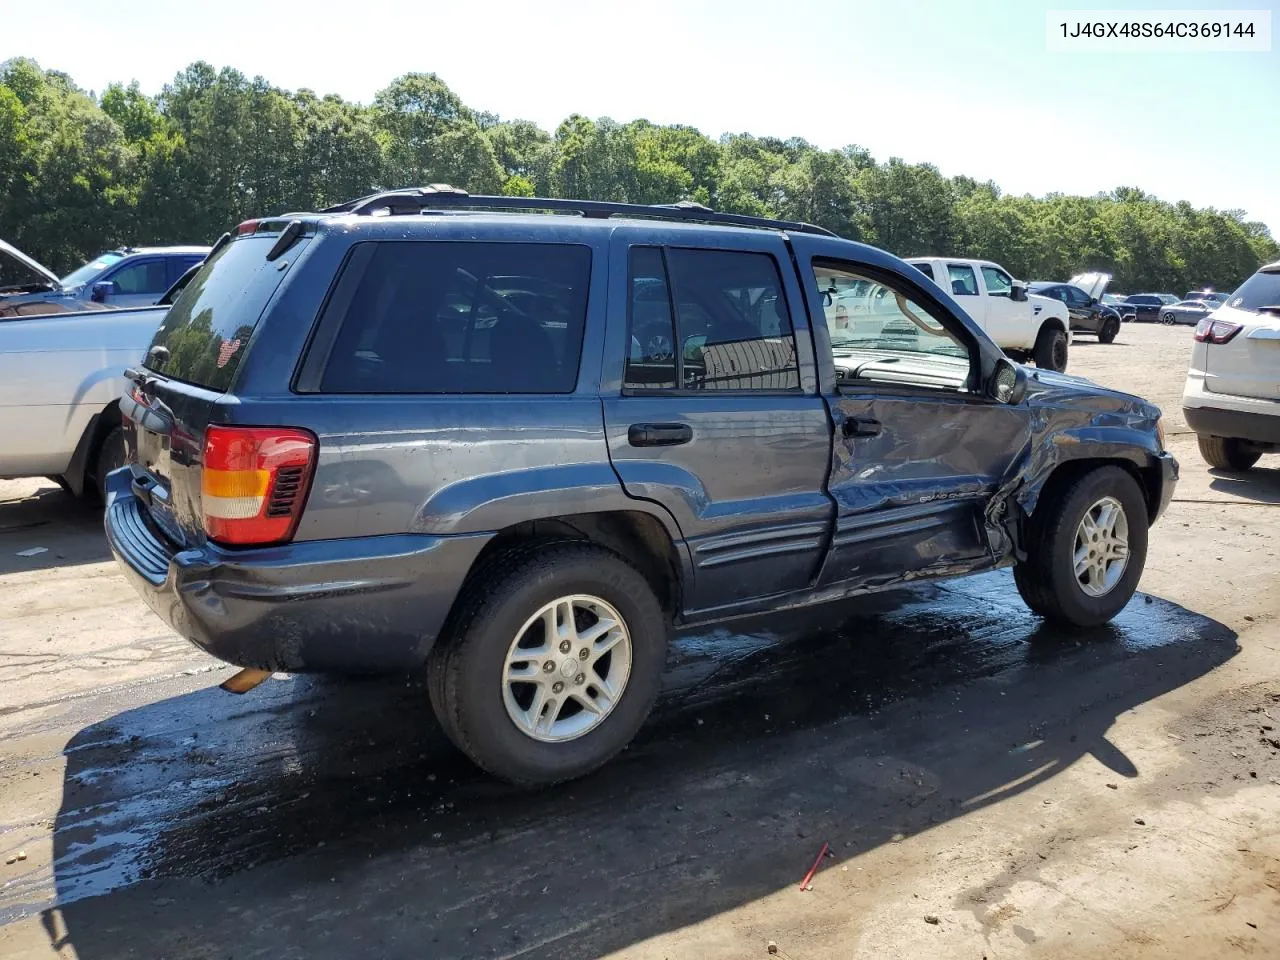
x: 968, y: 86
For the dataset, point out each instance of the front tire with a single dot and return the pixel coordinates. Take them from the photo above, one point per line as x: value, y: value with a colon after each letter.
x: 1227, y: 453
x: 1086, y: 548
x: 1051, y: 349
x: 1168, y: 319
x: 552, y: 665
x: 1109, y: 329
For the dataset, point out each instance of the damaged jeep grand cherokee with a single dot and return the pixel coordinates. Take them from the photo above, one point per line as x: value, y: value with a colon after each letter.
x: 516, y: 441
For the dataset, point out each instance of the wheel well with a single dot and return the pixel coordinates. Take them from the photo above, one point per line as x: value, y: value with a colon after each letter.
x: 638, y: 537
x: 1148, y: 480
x: 86, y: 453
x: 1052, y: 322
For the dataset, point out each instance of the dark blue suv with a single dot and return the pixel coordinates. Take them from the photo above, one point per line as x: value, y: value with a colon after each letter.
x: 516, y: 441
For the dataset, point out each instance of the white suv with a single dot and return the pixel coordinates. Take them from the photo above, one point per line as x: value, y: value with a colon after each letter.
x: 1232, y: 397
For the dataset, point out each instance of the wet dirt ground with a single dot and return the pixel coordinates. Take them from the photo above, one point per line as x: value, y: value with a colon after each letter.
x: 988, y: 787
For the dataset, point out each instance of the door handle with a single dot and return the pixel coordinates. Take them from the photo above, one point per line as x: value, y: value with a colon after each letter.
x: 659, y: 434
x: 856, y: 427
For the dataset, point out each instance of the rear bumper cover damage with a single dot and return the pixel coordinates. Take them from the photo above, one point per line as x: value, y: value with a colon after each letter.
x: 357, y: 605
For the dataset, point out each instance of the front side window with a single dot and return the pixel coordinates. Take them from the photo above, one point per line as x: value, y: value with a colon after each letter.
x: 148, y: 276
x: 708, y: 320
x: 885, y: 336
x: 963, y: 281
x: 999, y: 283
x: 90, y: 270
x: 445, y: 317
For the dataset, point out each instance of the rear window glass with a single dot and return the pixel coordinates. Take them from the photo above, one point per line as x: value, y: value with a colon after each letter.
x: 1260, y: 290
x: 445, y: 317
x: 206, y: 331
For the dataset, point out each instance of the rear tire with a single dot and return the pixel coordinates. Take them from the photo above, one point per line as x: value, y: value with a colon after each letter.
x: 1107, y: 332
x: 496, y: 704
x: 1168, y: 320
x: 1227, y: 453
x: 1051, y: 349
x: 1048, y: 580
x: 111, y: 456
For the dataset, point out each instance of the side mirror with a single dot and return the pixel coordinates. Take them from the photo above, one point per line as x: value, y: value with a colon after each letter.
x: 1093, y: 301
x: 1008, y: 383
x: 1018, y: 293
x: 101, y: 291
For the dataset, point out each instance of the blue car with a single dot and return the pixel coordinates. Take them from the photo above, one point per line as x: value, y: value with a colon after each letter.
x: 129, y: 277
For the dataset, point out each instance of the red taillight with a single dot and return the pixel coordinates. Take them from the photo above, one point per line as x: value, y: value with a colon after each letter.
x: 254, y: 482
x: 247, y: 227
x: 1216, y: 331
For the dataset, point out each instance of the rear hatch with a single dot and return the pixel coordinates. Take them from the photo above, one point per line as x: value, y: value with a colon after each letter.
x: 1242, y: 339
x: 190, y: 365
x: 1093, y: 284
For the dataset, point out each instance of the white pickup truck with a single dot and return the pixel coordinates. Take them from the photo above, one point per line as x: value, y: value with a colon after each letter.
x: 1024, y: 325
x: 61, y: 378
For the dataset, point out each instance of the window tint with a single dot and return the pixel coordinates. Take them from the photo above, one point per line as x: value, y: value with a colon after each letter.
x: 206, y: 330
x: 1260, y: 290
x: 963, y: 281
x: 926, y: 269
x: 732, y: 328
x: 147, y: 276
x: 884, y: 336
x: 998, y: 282
x: 438, y: 317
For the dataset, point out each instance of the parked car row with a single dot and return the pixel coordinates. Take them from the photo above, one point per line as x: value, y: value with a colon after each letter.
x: 130, y: 277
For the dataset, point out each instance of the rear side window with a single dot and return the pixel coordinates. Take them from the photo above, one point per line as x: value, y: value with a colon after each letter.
x: 963, y: 281
x: 443, y: 317
x: 1260, y: 290
x: 926, y: 269
x: 731, y: 329
x: 205, y: 332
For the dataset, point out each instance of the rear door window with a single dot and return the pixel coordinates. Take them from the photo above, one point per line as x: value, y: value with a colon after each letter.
x: 926, y: 269
x: 963, y: 281
x: 731, y: 329
x: 446, y: 317
x: 205, y: 332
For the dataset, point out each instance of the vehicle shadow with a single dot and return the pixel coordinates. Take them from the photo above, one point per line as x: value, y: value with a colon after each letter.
x: 1260, y: 484
x: 69, y: 530
x: 320, y: 819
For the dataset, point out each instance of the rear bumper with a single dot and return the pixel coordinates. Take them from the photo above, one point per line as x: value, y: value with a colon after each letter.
x: 1255, y: 419
x: 1237, y: 424
x: 357, y: 605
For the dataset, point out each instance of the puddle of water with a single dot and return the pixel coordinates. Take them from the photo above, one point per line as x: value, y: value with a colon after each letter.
x: 208, y: 784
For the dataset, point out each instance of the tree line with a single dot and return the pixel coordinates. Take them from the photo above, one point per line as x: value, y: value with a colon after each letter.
x: 81, y: 173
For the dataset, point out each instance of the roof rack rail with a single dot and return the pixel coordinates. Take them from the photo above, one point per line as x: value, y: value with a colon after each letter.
x: 440, y: 195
